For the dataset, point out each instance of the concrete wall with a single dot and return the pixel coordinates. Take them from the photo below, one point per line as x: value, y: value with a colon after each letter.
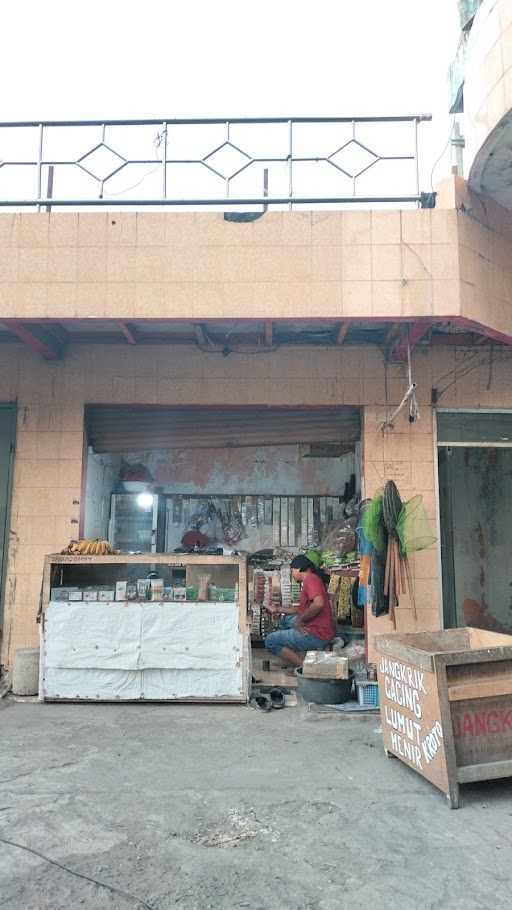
x: 382, y: 264
x: 488, y: 100
x: 102, y: 474
x: 51, y: 398
x: 484, y: 236
x: 247, y: 471
x: 284, y: 470
x: 452, y: 263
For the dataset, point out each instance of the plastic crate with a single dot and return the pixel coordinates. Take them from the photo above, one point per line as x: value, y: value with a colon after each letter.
x: 367, y: 692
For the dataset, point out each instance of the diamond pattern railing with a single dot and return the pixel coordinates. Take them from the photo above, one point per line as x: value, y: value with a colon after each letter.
x: 210, y: 162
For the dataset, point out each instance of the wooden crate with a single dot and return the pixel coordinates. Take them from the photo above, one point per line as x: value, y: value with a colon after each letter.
x: 446, y: 704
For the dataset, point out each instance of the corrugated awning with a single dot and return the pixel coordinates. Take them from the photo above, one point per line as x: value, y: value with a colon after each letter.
x: 139, y: 428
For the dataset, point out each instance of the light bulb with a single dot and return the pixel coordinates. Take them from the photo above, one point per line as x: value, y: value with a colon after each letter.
x: 145, y: 500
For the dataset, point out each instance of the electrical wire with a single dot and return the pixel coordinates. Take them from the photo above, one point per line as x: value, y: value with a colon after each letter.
x: 441, y: 155
x: 491, y: 368
x: 468, y: 357
x: 226, y: 350
x: 157, y: 141
x: 414, y: 411
x: 460, y: 374
x: 409, y: 397
x: 213, y: 347
x: 386, y: 395
x: 87, y: 878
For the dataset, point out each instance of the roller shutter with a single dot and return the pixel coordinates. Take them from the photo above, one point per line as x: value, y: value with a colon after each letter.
x: 134, y: 428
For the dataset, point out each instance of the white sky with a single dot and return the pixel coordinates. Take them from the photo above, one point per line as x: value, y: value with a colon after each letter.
x: 200, y: 58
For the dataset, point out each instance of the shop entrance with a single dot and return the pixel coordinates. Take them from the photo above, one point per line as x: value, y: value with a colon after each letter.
x: 475, y: 496
x: 7, y: 439
x: 270, y: 482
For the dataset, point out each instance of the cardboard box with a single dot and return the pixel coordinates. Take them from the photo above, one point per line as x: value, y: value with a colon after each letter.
x: 325, y: 665
x: 355, y: 652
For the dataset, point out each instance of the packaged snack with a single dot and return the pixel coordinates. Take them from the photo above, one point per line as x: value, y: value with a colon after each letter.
x: 203, y: 587
x: 61, y: 593
x: 106, y: 595
x: 157, y: 589
x: 143, y: 588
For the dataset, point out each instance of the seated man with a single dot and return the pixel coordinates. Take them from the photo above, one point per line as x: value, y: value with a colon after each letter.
x: 310, y: 625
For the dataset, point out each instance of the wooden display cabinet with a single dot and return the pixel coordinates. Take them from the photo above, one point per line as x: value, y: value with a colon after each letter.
x: 135, y: 650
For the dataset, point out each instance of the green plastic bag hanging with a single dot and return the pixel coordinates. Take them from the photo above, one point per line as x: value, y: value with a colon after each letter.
x: 413, y: 527
x: 373, y: 523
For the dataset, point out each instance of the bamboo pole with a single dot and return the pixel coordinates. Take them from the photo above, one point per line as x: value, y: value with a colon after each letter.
x: 386, y: 573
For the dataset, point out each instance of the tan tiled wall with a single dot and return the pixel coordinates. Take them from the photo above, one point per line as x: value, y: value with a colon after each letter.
x: 484, y: 231
x: 488, y: 74
x: 137, y: 266
x: 51, y: 397
x: 383, y: 264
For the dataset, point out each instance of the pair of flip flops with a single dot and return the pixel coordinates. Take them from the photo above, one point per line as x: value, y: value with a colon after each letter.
x: 266, y: 701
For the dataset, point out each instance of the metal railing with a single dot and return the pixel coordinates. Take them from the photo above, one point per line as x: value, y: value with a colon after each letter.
x: 303, y: 160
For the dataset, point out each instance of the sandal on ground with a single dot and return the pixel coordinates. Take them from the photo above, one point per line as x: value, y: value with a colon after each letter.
x: 277, y: 698
x: 260, y: 701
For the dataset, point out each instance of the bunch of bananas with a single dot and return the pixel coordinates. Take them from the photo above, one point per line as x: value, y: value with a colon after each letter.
x: 86, y: 547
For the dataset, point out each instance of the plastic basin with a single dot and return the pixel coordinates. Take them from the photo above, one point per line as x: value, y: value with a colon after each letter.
x: 324, y: 691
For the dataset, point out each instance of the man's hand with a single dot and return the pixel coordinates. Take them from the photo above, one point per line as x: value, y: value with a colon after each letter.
x: 299, y: 625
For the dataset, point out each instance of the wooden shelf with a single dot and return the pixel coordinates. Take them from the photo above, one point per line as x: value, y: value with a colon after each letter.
x: 346, y: 573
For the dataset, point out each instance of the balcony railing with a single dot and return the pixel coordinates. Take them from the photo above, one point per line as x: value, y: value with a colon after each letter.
x: 226, y: 163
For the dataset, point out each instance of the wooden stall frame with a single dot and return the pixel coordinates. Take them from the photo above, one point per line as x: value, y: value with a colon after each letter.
x: 167, y: 559
x: 491, y: 649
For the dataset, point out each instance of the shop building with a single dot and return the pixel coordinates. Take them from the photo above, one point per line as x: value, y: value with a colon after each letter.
x: 258, y: 363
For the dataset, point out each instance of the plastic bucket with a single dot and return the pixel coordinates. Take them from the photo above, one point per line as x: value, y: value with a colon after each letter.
x: 25, y: 671
x: 324, y: 691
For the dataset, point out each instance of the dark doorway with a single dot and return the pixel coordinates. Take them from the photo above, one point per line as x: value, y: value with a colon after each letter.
x: 475, y: 497
x: 7, y: 439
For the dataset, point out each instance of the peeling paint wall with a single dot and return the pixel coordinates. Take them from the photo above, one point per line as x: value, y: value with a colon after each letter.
x: 102, y: 474
x: 283, y: 470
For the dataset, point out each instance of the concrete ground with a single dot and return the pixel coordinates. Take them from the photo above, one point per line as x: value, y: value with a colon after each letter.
x: 223, y: 807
